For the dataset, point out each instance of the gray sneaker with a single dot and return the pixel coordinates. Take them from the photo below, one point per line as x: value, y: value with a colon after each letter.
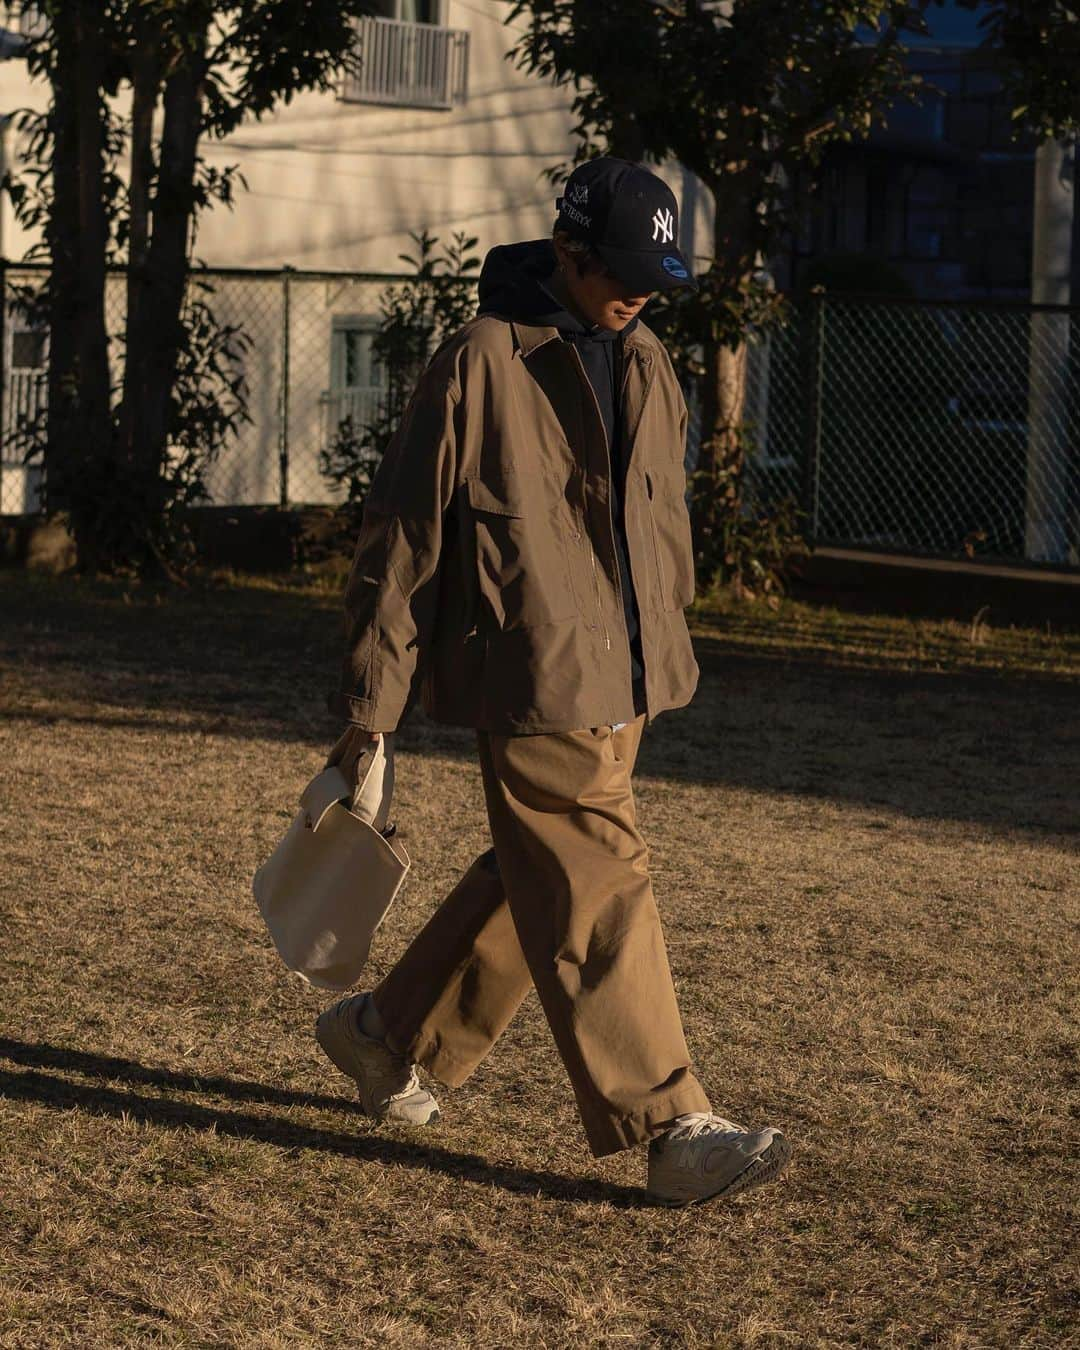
x: 388, y: 1084
x: 702, y: 1156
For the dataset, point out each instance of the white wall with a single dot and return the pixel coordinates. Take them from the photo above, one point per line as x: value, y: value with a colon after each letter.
x: 340, y: 185
x: 16, y: 92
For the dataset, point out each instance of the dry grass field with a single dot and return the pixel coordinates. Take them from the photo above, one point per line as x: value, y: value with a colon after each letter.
x: 864, y: 839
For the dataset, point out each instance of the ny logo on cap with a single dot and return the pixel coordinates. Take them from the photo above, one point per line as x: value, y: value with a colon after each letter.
x: 663, y: 225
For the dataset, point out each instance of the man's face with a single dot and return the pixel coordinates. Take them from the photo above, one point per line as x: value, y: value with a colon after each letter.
x: 599, y: 295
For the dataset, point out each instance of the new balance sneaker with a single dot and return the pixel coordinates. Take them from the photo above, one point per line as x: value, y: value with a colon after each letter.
x: 702, y: 1156
x: 387, y: 1082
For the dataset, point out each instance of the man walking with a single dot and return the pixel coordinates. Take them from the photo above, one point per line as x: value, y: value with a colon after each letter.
x: 522, y: 567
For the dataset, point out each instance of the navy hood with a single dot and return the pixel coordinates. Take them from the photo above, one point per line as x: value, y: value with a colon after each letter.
x: 512, y: 284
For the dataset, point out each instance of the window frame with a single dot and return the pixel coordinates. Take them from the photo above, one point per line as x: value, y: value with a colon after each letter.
x: 441, y: 7
x: 340, y: 325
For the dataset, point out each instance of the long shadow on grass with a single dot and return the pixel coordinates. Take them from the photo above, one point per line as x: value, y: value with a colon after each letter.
x: 997, y: 748
x: 50, y: 1089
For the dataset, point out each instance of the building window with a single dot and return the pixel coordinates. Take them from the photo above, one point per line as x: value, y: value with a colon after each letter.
x: 26, y: 355
x: 927, y: 214
x: 357, y: 380
x: 25, y: 390
x: 408, y: 58
x: 410, y: 11
x: 28, y: 349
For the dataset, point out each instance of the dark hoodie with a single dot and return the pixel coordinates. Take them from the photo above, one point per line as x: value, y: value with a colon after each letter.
x: 511, y: 284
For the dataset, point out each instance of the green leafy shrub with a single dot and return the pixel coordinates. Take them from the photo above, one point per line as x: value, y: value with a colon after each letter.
x: 416, y: 315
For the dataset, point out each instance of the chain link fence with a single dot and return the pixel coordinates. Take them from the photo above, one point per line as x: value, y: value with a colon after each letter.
x: 941, y: 429
x: 307, y: 366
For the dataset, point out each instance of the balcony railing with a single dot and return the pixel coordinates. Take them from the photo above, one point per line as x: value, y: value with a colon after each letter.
x: 408, y: 65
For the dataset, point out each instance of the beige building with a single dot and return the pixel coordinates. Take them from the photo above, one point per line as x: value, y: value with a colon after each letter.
x: 437, y: 131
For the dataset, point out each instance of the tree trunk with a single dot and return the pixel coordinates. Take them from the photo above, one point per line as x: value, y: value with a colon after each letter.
x: 626, y: 139
x: 146, y: 85
x: 723, y: 385
x: 162, y: 295
x: 91, y: 442
x: 723, y: 399
x: 63, y: 287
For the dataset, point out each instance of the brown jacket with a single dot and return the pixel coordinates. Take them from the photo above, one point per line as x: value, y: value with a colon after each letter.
x: 485, y: 580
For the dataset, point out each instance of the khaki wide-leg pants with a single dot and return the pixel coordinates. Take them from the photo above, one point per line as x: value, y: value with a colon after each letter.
x: 562, y: 902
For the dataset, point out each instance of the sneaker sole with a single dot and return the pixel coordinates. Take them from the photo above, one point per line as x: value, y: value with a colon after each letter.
x: 761, y: 1171
x: 334, y: 1046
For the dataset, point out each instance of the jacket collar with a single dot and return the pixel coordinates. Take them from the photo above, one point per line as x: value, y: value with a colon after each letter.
x: 529, y: 336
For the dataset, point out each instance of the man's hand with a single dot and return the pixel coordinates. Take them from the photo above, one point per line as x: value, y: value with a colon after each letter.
x: 350, y: 751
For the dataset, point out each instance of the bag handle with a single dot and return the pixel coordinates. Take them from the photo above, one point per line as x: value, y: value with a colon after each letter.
x: 372, y: 796
x: 325, y: 790
x: 369, y: 799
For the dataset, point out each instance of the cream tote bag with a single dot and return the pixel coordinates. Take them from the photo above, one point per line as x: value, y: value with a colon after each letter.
x: 329, y: 883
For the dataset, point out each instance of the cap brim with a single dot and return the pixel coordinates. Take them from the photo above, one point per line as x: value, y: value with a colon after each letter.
x: 655, y: 270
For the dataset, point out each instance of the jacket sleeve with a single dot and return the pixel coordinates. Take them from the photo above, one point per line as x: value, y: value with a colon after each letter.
x: 393, y: 585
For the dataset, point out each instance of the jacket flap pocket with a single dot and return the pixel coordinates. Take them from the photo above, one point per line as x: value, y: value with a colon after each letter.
x: 503, y: 499
x: 323, y: 792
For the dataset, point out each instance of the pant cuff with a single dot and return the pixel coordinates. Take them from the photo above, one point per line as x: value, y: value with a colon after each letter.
x: 616, y: 1133
x: 428, y: 1051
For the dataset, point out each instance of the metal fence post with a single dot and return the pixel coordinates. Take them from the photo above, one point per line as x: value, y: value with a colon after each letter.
x: 283, y: 396
x: 813, y: 363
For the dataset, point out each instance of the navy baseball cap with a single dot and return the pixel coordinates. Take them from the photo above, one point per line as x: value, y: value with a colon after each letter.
x: 631, y: 219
